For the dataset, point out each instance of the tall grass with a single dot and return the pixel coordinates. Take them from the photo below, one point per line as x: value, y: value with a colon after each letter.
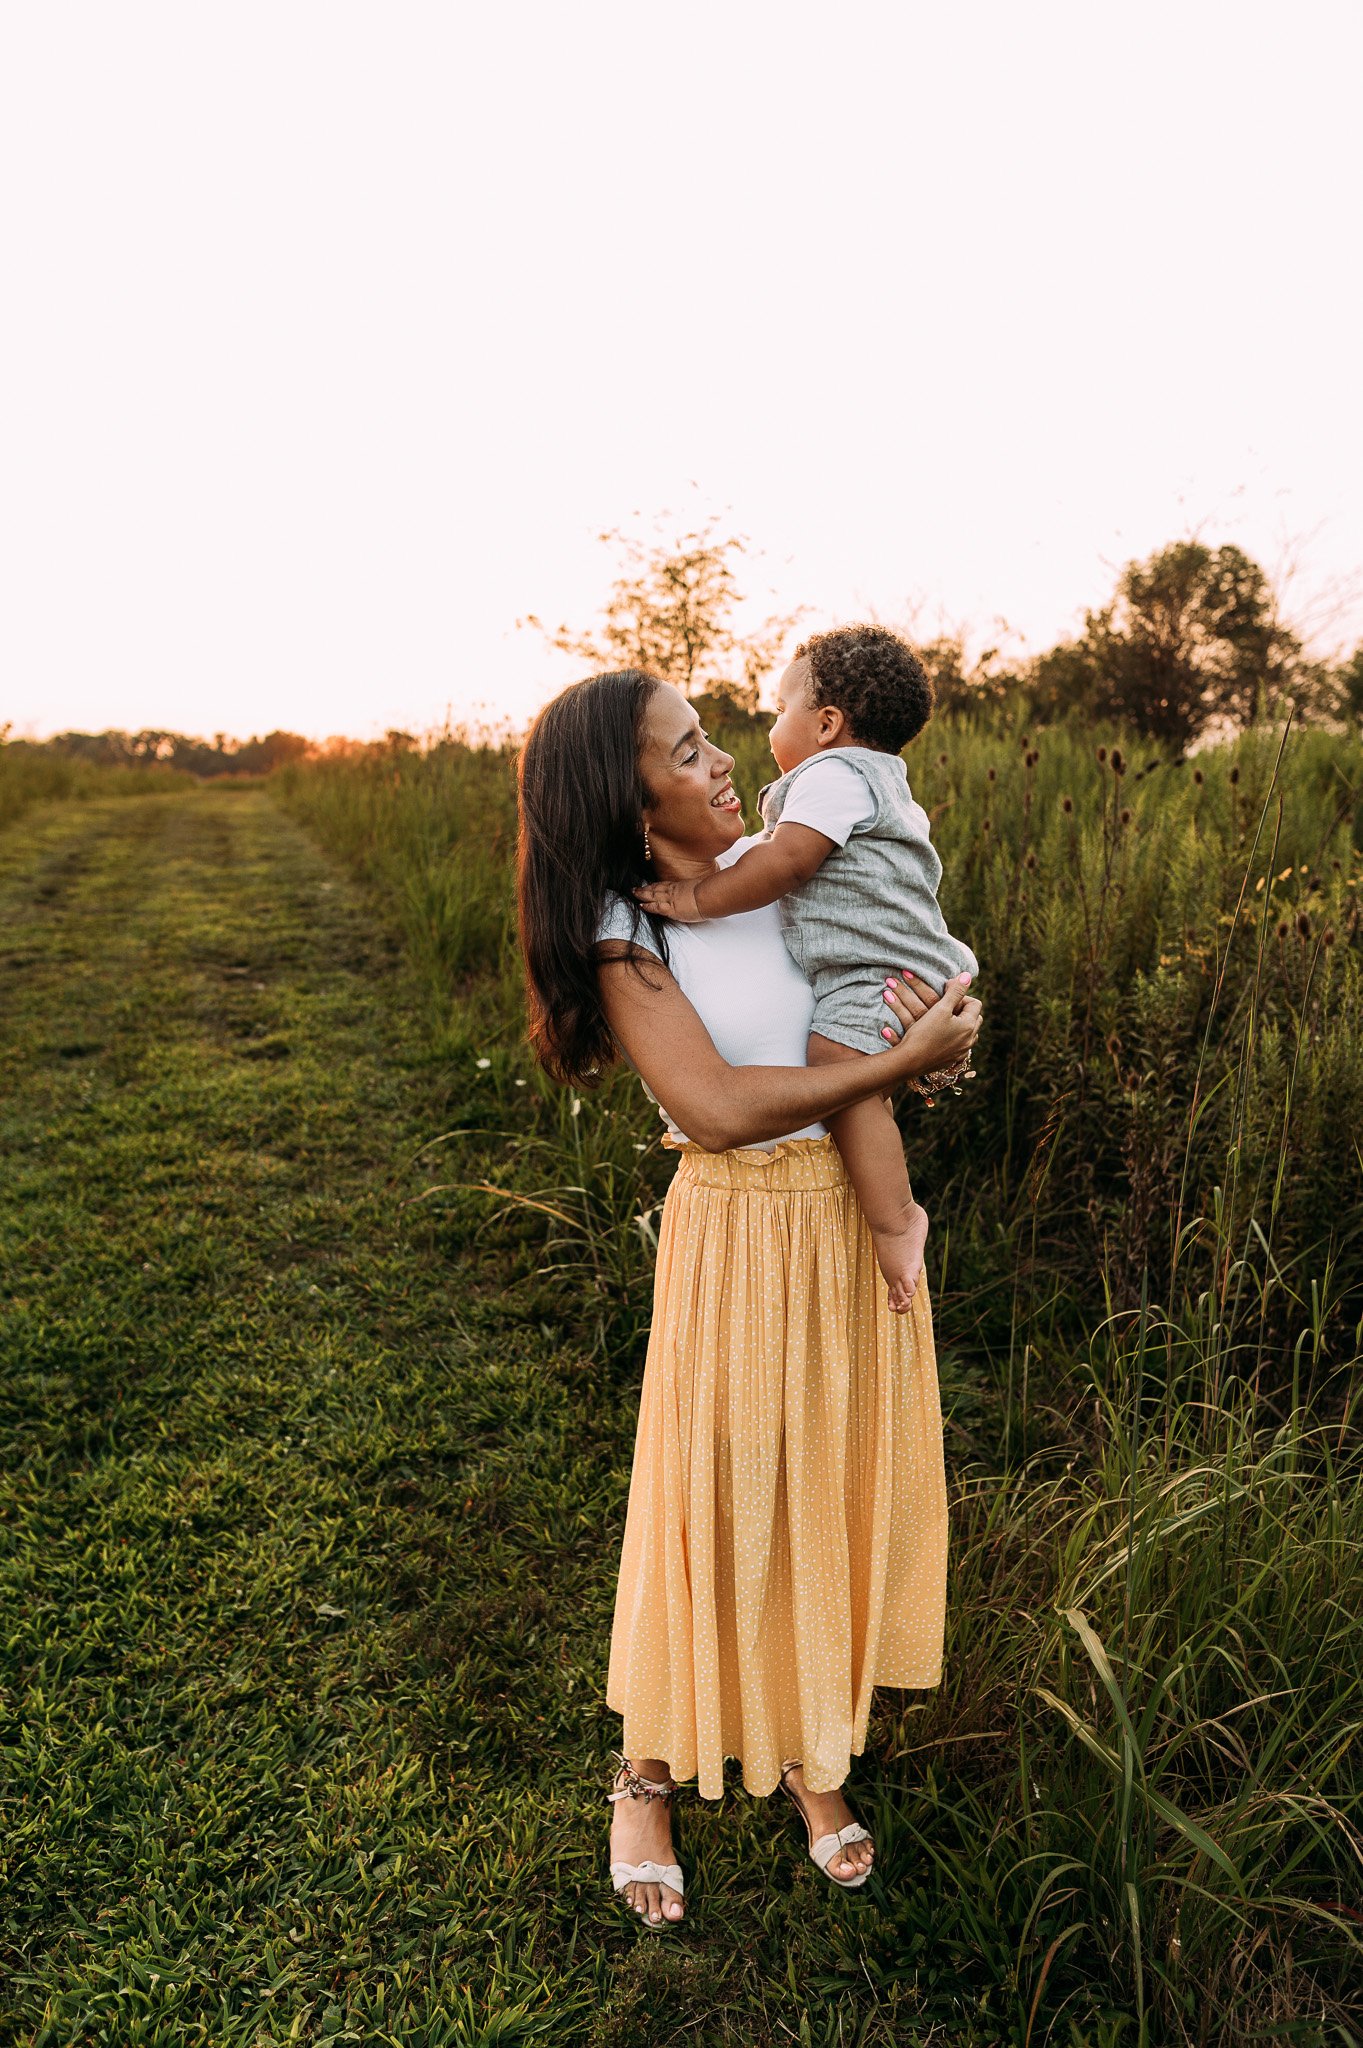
x: 32, y: 775
x: 1133, y: 1811
x: 1172, y: 980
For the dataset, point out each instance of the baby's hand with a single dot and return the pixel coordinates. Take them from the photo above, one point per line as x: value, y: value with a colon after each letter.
x: 670, y: 899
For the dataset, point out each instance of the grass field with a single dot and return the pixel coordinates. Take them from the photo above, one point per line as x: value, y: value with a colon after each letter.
x: 323, y: 1322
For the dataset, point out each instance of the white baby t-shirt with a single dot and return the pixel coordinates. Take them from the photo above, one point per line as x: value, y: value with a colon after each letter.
x: 830, y: 798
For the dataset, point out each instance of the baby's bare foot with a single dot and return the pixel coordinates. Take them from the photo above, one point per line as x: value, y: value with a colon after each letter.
x: 900, y: 1256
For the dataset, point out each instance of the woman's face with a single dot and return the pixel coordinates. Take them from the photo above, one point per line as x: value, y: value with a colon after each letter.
x: 691, y: 812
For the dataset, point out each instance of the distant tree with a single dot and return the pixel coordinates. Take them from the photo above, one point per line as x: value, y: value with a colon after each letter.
x: 959, y: 685
x: 1190, y: 639
x: 260, y: 756
x: 1339, y: 690
x: 671, y: 610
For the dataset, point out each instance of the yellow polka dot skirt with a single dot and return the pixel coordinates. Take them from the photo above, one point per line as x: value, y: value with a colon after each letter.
x: 786, y: 1531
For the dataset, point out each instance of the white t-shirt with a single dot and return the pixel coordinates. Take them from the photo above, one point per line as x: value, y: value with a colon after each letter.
x: 743, y: 984
x: 830, y: 798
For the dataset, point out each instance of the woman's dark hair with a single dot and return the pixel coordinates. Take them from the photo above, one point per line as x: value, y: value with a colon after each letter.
x: 875, y: 679
x: 580, y: 841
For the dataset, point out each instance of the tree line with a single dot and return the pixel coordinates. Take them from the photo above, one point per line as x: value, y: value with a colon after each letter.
x: 1192, y: 643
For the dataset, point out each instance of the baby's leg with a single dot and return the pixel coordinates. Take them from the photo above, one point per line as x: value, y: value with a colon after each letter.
x: 868, y: 1138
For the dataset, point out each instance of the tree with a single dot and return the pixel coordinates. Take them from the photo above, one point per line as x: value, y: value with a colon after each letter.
x: 671, y: 611
x: 960, y: 686
x: 1191, y: 638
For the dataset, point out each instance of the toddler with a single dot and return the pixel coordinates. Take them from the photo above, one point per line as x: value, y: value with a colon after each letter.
x: 847, y: 853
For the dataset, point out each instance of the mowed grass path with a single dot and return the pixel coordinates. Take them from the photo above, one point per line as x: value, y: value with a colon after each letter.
x: 309, y: 1521
x: 307, y: 1533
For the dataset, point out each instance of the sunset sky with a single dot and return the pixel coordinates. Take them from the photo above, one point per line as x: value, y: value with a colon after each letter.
x: 334, y: 334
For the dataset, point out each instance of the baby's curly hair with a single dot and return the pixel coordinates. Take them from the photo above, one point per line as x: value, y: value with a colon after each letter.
x: 875, y: 679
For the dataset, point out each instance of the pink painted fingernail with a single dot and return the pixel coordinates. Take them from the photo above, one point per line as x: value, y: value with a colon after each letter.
x: 890, y: 981
x: 886, y: 1032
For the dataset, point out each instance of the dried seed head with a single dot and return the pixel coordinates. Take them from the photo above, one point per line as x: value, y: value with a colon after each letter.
x: 1303, y: 924
x: 1118, y: 764
x: 941, y: 760
x: 1030, y: 861
x: 1327, y: 937
x: 1282, y: 927
x: 992, y: 776
x: 1102, y: 753
x: 1197, y: 775
x: 1234, y: 776
x: 1067, y: 803
x: 1126, y: 815
x: 1113, y: 1043
x: 984, y: 825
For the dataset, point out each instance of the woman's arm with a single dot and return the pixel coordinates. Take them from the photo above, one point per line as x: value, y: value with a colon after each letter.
x: 720, y: 1106
x: 765, y: 872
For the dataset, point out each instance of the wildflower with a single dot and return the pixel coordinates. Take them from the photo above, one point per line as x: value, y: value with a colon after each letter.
x: 482, y: 1063
x: 575, y: 1106
x: 520, y: 1084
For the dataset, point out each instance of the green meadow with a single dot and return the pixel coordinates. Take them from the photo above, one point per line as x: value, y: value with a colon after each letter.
x: 323, y: 1321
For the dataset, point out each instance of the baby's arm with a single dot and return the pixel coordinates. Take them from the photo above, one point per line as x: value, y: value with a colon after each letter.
x: 771, y: 869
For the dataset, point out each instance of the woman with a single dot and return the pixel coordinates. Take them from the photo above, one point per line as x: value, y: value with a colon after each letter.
x: 785, y: 1535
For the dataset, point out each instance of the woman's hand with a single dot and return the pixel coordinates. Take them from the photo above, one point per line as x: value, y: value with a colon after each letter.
x: 937, y: 1031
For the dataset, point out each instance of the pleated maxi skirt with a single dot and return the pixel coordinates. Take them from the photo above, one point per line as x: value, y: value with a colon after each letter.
x: 785, y: 1538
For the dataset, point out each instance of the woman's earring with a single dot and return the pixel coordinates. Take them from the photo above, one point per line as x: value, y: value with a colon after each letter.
x: 648, y: 850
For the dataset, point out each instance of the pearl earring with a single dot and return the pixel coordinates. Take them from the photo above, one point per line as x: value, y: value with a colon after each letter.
x: 648, y: 850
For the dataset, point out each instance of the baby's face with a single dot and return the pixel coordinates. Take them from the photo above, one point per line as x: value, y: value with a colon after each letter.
x: 799, y: 722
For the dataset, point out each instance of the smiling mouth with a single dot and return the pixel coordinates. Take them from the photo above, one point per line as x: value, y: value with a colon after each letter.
x: 726, y: 800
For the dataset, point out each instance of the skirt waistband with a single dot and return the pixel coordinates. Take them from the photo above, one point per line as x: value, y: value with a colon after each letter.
x: 794, y: 1163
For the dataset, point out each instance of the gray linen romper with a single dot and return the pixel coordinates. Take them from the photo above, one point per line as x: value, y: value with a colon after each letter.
x: 872, y: 907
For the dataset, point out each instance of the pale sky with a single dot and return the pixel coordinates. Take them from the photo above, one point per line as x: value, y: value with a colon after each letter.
x: 335, y: 333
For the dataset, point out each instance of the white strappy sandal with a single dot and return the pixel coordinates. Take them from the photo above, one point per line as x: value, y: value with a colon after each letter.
x: 647, y: 1872
x: 827, y: 1847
